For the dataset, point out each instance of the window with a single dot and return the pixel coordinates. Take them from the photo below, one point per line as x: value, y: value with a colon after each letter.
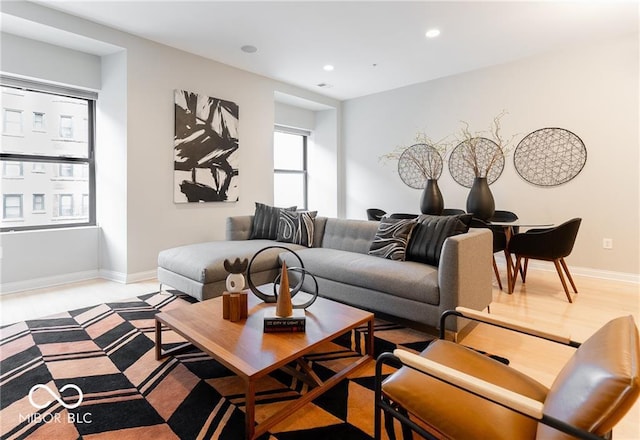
x: 39, y: 167
x: 290, y: 168
x: 12, y: 169
x: 65, y: 205
x: 38, y: 121
x: 85, y: 205
x: 38, y: 202
x: 12, y: 122
x: 66, y: 127
x: 61, y: 160
x: 11, y: 206
x: 65, y: 170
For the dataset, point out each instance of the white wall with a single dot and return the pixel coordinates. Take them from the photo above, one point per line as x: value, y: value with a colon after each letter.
x: 49, y: 62
x: 294, y: 117
x: 46, y: 258
x: 592, y: 91
x: 136, y: 212
x: 111, y: 165
x: 323, y: 165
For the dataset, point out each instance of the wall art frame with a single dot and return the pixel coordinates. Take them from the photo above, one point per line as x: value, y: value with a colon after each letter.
x: 205, y: 149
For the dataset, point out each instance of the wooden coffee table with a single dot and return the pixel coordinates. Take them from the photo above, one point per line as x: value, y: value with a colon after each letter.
x: 251, y: 354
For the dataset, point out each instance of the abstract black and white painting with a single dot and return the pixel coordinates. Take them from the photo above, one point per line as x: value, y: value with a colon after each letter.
x: 205, y: 149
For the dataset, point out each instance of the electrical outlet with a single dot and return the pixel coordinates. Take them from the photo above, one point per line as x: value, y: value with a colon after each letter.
x: 607, y: 243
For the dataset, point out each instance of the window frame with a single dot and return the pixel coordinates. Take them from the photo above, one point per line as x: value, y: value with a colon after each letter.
x: 6, y: 111
x: 91, y: 98
x: 304, y: 171
x: 20, y: 197
x: 35, y: 208
x: 43, y: 121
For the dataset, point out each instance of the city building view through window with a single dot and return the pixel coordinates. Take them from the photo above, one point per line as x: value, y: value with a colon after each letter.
x: 46, y: 160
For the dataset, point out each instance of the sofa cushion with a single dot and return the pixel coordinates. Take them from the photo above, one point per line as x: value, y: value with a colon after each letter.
x: 296, y: 227
x: 430, y: 233
x: 348, y: 234
x: 406, y: 279
x: 392, y: 238
x: 265, y: 221
x: 203, y: 262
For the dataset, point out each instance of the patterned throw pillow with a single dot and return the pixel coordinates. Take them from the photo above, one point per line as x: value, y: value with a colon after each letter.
x: 392, y: 238
x: 296, y: 227
x: 265, y: 221
x: 430, y: 233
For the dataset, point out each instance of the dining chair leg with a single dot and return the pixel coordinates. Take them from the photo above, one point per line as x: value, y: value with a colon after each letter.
x: 495, y: 270
x: 523, y: 272
x: 515, y: 271
x: 566, y: 270
x: 564, y: 283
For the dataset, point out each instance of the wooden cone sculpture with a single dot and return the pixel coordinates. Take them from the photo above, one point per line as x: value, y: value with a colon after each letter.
x: 283, y: 304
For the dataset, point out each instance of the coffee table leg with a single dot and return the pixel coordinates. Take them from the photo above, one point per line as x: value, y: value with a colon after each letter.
x: 158, y: 340
x: 250, y: 409
x: 370, y: 338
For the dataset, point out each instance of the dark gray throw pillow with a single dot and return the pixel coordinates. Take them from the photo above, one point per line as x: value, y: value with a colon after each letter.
x: 430, y: 233
x: 265, y: 221
x: 392, y: 238
x: 297, y: 227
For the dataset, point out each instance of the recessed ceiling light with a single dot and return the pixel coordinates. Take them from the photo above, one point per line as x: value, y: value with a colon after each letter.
x: 432, y: 33
x: 328, y: 67
x: 249, y: 48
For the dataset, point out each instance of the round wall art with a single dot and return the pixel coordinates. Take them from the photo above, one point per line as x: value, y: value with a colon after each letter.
x: 418, y: 163
x: 481, y: 153
x: 549, y: 156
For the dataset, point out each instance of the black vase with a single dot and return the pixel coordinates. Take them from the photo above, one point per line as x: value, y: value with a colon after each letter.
x: 480, y: 200
x: 431, y: 201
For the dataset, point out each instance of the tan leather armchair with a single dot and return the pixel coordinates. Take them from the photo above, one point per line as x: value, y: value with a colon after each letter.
x: 450, y: 391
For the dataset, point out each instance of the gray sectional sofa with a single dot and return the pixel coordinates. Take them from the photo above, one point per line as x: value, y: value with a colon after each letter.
x: 345, y: 272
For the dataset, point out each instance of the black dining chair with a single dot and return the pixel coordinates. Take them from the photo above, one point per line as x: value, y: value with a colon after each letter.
x: 402, y: 215
x: 505, y: 216
x: 453, y: 211
x: 499, y: 243
x: 551, y: 244
x: 375, y: 214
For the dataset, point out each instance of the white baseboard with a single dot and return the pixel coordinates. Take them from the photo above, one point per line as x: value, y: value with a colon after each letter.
x: 582, y: 271
x: 52, y: 281
x: 142, y: 276
x: 124, y: 278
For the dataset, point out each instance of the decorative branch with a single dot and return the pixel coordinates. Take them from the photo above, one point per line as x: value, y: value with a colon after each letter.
x: 470, y: 142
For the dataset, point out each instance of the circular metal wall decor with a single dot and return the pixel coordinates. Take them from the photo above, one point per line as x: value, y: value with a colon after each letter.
x: 485, y: 151
x: 417, y: 163
x: 549, y: 156
x: 273, y: 298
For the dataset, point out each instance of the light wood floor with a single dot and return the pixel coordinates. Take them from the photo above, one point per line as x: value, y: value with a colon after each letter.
x: 540, y: 301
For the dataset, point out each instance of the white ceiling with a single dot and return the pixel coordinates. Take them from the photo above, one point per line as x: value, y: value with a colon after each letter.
x: 374, y: 45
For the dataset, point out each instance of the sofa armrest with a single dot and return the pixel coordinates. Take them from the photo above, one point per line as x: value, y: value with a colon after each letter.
x: 238, y: 227
x: 465, y: 273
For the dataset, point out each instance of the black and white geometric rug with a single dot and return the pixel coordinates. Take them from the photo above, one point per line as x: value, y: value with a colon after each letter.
x: 106, y: 353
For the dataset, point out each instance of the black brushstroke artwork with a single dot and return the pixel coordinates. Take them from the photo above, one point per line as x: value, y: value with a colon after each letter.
x: 206, y: 149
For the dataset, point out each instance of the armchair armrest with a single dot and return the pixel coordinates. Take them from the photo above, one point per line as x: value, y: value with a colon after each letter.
x: 512, y: 324
x: 496, y: 394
